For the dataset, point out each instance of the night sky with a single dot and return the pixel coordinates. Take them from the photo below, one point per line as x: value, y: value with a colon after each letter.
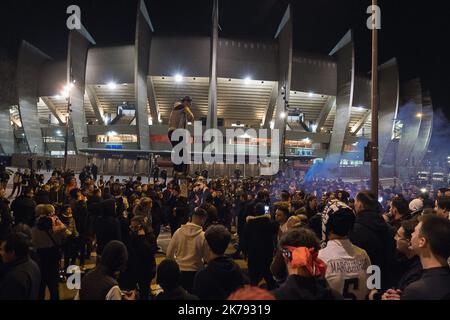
x: 416, y: 32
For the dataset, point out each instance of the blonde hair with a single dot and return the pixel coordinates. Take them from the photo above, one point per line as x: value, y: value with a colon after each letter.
x: 44, y: 210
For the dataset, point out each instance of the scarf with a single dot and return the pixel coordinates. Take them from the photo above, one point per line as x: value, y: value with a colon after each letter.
x: 308, y: 258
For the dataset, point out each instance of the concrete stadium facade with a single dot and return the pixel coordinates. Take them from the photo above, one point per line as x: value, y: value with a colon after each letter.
x: 234, y: 83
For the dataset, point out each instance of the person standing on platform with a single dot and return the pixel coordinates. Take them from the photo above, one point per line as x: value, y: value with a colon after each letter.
x: 94, y: 171
x: 179, y: 118
x: 39, y: 165
x: 30, y: 163
x: 48, y: 165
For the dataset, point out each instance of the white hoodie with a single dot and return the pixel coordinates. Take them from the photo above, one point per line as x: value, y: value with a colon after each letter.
x: 189, y: 248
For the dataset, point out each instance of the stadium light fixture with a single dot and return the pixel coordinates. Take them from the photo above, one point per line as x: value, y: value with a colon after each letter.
x: 65, y: 93
x: 178, y: 78
x: 419, y: 115
x: 112, y: 85
x: 283, y: 115
x: 248, y: 80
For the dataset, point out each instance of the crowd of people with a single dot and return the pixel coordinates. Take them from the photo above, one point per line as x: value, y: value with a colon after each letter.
x: 302, y: 240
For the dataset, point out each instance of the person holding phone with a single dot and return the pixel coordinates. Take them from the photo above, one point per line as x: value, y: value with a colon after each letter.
x: 48, y: 236
x: 101, y: 283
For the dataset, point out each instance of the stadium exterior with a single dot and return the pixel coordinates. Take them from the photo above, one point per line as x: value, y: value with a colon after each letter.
x: 121, y: 98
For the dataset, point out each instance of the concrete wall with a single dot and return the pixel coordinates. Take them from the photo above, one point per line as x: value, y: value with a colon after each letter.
x: 314, y: 74
x: 28, y: 72
x: 388, y: 108
x: 110, y: 64
x: 361, y: 97
x: 53, y: 78
x: 240, y: 59
x: 344, y: 54
x: 76, y: 72
x: 188, y: 56
x: 142, y: 52
x: 426, y: 127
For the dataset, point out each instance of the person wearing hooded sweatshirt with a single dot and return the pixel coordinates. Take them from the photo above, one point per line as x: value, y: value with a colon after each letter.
x: 189, y: 248
x: 258, y: 244
x: 306, y: 280
x: 222, y: 276
x: 372, y: 234
x: 179, y: 117
x: 100, y: 283
x: 107, y: 226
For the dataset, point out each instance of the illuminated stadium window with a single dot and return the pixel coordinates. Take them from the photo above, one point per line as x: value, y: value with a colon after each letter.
x: 351, y: 163
x: 397, y: 130
x: 61, y: 153
x: 117, y: 138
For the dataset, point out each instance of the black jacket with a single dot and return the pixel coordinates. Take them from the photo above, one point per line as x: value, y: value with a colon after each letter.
x: 20, y: 280
x: 96, y: 284
x: 181, y: 209
x: 178, y: 294
x: 23, y: 209
x: 42, y: 197
x: 107, y: 229
x: 221, y: 278
x: 411, y: 271
x: 56, y: 196
x: 6, y: 219
x: 107, y: 226
x: 301, y: 288
x: 242, y: 216
x: 141, y: 257
x: 374, y: 235
x: 213, y: 215
x: 434, y: 285
x: 259, y: 239
x: 81, y: 215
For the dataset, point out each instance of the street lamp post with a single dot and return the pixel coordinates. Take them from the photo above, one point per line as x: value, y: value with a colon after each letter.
x: 374, y: 96
x: 69, y: 110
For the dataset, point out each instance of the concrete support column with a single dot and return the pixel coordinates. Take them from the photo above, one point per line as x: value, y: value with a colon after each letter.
x: 29, y: 66
x: 344, y: 54
x: 408, y: 114
x: 211, y: 122
x: 6, y: 131
x: 143, y: 42
x: 388, y: 108
x: 285, y: 47
x: 79, y: 43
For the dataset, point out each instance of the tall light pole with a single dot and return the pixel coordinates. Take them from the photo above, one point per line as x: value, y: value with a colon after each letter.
x: 374, y: 95
x: 69, y: 110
